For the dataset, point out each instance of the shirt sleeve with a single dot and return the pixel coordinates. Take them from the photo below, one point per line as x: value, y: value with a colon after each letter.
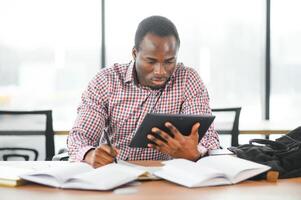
x: 196, y: 101
x: 91, y: 118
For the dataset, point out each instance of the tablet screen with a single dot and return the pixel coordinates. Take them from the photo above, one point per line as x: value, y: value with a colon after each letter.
x: 182, y: 122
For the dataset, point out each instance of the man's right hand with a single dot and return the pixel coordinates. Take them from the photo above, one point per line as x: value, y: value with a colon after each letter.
x: 101, y: 156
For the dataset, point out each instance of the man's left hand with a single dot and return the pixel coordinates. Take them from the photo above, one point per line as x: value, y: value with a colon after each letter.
x: 178, y: 146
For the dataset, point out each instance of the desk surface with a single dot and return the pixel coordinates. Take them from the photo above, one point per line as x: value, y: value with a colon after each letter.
x: 245, y: 131
x: 267, y: 127
x: 283, y: 189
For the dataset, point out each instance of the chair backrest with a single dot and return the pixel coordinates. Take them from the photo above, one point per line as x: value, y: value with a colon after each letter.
x: 227, y: 122
x: 26, y: 135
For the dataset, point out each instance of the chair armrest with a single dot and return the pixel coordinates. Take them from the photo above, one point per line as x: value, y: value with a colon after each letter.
x: 61, y: 157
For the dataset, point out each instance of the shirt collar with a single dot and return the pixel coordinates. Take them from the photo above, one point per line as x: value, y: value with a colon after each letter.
x: 130, y: 72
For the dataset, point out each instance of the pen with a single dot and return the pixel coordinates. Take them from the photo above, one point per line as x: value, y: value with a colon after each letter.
x: 110, y: 145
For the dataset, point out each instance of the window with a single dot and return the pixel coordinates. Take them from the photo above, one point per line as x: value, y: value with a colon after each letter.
x: 223, y: 40
x: 49, y: 50
x: 286, y: 61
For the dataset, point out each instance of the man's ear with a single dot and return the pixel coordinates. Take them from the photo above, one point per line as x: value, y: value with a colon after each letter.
x: 134, y: 53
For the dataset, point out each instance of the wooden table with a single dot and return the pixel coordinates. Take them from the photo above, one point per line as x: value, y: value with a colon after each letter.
x: 289, y: 189
x: 267, y: 127
x: 244, y: 131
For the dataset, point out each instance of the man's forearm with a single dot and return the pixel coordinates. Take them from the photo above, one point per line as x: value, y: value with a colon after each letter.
x: 78, y: 146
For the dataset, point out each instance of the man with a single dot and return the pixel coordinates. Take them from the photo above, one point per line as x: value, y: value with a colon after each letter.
x: 118, y: 98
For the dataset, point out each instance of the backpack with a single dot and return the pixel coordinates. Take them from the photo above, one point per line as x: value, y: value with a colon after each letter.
x: 282, y: 155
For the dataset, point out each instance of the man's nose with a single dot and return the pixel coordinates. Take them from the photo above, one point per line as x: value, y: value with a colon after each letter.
x: 159, y: 69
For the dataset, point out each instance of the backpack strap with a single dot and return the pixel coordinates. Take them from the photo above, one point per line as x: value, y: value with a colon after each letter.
x: 273, y: 144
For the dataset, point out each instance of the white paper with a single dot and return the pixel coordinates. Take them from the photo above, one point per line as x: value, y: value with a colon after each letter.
x: 83, y: 176
x: 210, y: 171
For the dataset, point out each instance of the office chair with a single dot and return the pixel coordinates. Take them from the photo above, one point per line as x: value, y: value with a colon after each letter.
x: 26, y: 135
x: 227, y: 122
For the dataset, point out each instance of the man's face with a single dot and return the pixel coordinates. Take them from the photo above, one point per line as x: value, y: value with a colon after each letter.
x: 155, y: 60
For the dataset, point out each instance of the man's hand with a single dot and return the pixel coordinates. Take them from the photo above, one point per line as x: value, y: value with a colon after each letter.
x: 101, y: 156
x: 179, y: 146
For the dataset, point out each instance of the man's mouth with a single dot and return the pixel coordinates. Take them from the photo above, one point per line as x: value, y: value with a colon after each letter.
x: 159, y: 81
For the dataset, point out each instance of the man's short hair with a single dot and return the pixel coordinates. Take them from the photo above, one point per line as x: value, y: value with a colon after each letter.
x: 157, y: 25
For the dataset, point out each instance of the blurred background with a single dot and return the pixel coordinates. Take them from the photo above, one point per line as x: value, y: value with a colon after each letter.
x: 50, y: 49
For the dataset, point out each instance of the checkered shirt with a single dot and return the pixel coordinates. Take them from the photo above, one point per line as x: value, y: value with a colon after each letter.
x: 114, y: 102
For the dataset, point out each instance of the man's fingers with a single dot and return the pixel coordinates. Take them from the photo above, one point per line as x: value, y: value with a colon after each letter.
x: 163, y: 148
x: 111, y: 151
x: 176, y: 133
x: 100, y: 160
x: 195, y: 128
x: 116, y: 150
x: 101, y: 153
x: 102, y: 157
x: 153, y: 146
x: 156, y: 141
x: 165, y: 136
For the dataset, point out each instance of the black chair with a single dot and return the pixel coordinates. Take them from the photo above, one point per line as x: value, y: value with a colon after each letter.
x: 227, y: 122
x: 26, y: 135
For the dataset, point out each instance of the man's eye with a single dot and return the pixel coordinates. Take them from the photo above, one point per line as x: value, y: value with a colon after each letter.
x: 169, y: 62
x: 151, y: 62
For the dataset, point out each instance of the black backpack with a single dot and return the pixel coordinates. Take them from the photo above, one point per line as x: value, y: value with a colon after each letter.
x: 282, y: 155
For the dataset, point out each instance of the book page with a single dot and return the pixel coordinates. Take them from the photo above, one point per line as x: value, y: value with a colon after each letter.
x: 149, y: 171
x: 33, y: 165
x: 55, y: 176
x: 12, y: 173
x: 9, y: 176
x: 104, y: 178
x: 234, y: 168
x: 11, y: 170
x: 189, y: 174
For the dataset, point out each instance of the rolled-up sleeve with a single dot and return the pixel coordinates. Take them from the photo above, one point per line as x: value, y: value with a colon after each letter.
x: 91, y: 119
x: 196, y: 102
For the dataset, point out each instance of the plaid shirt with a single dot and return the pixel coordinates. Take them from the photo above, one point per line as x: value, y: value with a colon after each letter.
x: 114, y: 102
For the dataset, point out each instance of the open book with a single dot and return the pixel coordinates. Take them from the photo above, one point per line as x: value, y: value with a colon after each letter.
x: 9, y: 176
x: 210, y: 171
x: 10, y: 170
x: 82, y: 176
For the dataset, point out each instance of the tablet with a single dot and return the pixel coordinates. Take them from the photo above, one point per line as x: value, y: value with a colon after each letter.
x: 182, y: 122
